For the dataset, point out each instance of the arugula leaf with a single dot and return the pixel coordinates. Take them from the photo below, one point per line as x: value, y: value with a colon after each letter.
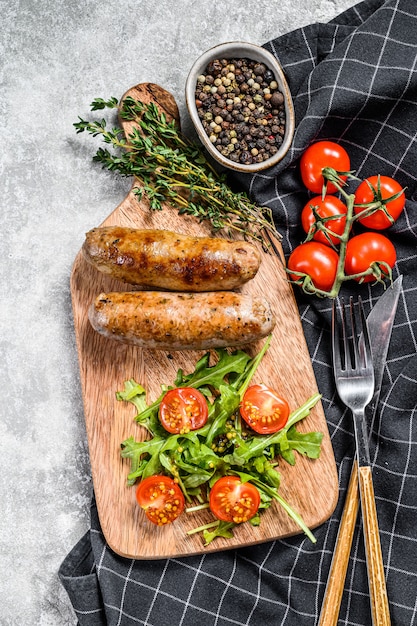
x: 135, y: 451
x: 257, y: 445
x: 223, y: 407
x: 197, y: 459
x: 147, y: 416
x: 273, y: 494
x: 204, y: 375
x: 214, y: 375
x: 308, y: 444
x: 133, y: 392
x: 202, y: 364
x: 222, y: 529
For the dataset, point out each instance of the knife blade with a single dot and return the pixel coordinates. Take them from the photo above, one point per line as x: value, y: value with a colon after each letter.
x: 380, y: 321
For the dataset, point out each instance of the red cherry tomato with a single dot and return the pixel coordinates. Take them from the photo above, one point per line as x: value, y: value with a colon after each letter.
x: 183, y: 409
x: 380, y: 189
x: 161, y: 498
x: 327, y: 207
x: 264, y: 410
x: 365, y: 249
x: 233, y: 501
x: 317, y: 261
x: 318, y: 156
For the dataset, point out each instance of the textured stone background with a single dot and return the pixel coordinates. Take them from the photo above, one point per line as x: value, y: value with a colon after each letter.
x: 56, y: 57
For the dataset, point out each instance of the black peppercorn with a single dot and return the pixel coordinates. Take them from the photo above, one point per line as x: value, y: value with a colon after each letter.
x: 245, y: 157
x: 277, y: 99
x: 259, y: 69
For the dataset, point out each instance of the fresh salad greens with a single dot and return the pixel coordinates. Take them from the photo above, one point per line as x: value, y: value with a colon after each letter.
x: 223, y: 446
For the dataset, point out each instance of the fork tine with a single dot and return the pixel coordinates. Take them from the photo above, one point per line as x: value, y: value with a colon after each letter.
x: 357, y: 341
x: 362, y: 347
x: 365, y: 334
x: 339, y: 338
x: 347, y: 351
x: 335, y: 337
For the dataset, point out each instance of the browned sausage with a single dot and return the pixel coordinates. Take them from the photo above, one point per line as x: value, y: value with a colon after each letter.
x: 181, y: 321
x: 162, y: 259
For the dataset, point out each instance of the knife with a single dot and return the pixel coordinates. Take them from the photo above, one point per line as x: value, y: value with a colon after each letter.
x: 380, y: 321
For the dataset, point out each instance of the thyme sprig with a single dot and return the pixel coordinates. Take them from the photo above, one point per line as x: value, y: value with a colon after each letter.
x: 170, y: 168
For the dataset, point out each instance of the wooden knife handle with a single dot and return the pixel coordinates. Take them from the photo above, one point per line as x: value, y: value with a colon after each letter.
x: 375, y: 565
x: 337, y: 575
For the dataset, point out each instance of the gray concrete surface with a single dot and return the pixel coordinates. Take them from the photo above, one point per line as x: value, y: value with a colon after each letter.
x: 56, y: 57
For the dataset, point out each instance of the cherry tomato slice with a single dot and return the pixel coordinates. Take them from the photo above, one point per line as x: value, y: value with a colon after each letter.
x: 161, y: 498
x: 365, y: 249
x: 380, y: 189
x: 183, y: 409
x: 264, y: 410
x: 332, y: 211
x: 233, y: 501
x: 316, y: 260
x: 318, y: 156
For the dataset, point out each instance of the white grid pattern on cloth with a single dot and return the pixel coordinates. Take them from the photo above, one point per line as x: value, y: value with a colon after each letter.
x: 341, y: 76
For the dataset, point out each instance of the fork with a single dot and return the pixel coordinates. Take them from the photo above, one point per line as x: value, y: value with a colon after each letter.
x: 354, y: 376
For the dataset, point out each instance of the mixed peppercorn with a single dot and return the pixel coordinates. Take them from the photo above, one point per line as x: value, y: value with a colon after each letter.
x: 242, y: 109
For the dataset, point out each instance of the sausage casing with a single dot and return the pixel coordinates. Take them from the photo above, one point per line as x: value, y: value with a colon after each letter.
x: 181, y: 321
x: 161, y: 259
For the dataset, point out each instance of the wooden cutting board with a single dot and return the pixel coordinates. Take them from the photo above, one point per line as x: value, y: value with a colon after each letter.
x: 311, y: 487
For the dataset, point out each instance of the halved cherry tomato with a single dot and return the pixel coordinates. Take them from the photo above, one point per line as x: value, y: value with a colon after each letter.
x: 161, y: 498
x: 332, y: 210
x: 264, y: 410
x: 318, y: 156
x: 183, y: 409
x: 316, y: 260
x: 365, y: 249
x: 384, y: 190
x: 233, y: 501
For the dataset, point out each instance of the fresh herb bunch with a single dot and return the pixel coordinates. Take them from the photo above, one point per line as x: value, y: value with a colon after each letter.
x: 171, y: 168
x: 197, y: 459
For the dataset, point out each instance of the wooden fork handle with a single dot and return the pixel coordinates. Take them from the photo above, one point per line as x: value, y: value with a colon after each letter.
x: 375, y: 565
x: 337, y: 575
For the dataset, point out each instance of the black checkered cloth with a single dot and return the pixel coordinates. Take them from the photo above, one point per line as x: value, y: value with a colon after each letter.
x: 354, y: 81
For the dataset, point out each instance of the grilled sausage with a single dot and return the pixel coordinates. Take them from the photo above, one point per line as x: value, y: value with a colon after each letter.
x: 181, y: 321
x: 161, y: 259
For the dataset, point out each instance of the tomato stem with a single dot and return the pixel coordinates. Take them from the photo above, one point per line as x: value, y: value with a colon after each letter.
x: 344, y: 238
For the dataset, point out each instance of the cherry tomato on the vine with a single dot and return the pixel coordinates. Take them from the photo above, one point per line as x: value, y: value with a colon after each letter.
x: 183, y: 409
x: 365, y: 249
x: 161, y: 498
x: 318, y: 156
x: 264, y: 410
x: 317, y: 261
x: 233, y: 501
x: 380, y: 189
x: 332, y: 211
